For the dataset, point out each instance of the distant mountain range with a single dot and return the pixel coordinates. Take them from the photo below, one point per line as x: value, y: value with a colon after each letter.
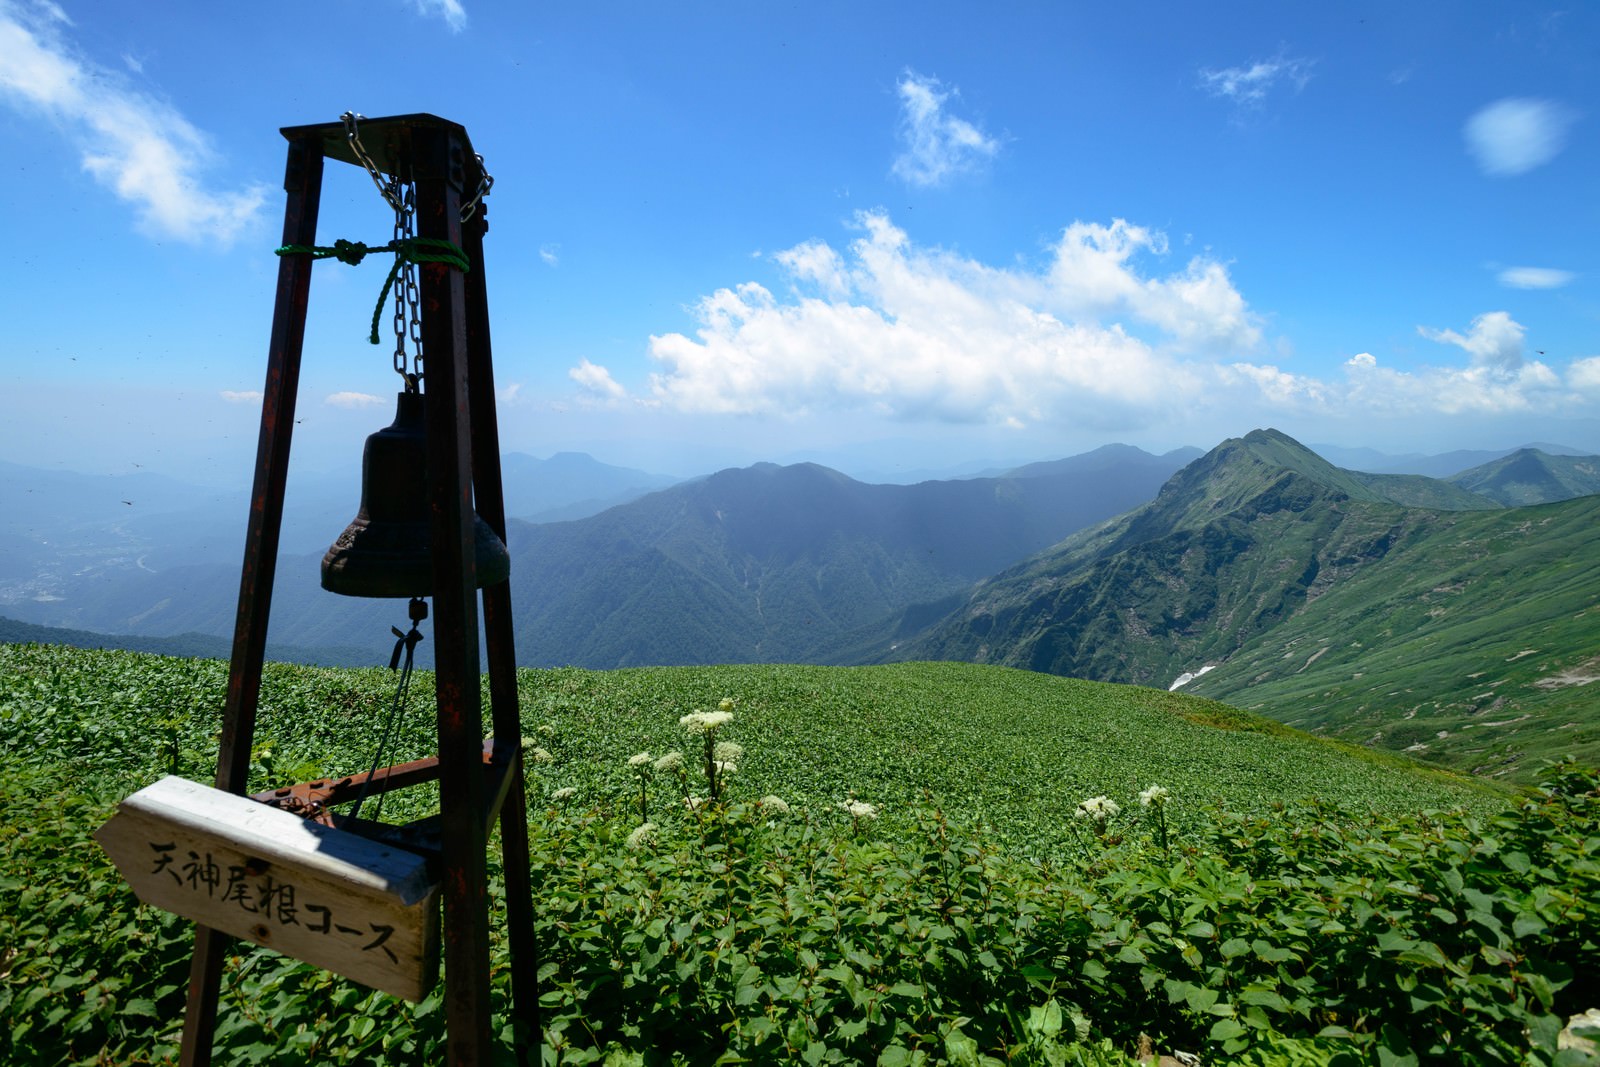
x: 143, y: 555
x: 761, y: 564
x: 783, y: 564
x: 1325, y: 598
x: 1446, y: 618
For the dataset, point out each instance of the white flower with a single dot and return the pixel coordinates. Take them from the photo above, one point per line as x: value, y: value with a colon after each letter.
x: 859, y: 809
x: 775, y: 805
x: 1581, y: 1031
x: 725, y: 704
x: 1098, y: 808
x: 705, y: 722
x: 639, y: 759
x: 670, y: 762
x: 693, y: 803
x: 723, y: 767
x: 1155, y: 796
x: 564, y: 793
x: 642, y: 836
x: 540, y: 755
x: 728, y: 751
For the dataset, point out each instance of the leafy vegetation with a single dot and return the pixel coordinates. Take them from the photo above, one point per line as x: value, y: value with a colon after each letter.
x: 910, y: 864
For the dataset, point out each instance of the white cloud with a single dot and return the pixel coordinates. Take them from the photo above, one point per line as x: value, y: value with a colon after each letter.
x: 1370, y: 390
x: 139, y: 147
x: 935, y: 145
x: 1515, y: 135
x: 1494, y: 341
x: 1102, y: 336
x: 354, y: 400
x: 923, y: 334
x: 454, y: 15
x: 815, y: 263
x: 597, y: 382
x: 1584, y: 375
x: 242, y: 396
x: 1250, y: 85
x: 551, y: 254
x: 1534, y: 278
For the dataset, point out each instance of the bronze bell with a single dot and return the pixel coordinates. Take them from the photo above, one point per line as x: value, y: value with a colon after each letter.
x: 386, y: 551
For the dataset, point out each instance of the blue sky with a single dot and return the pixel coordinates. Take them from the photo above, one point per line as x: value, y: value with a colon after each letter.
x: 884, y: 236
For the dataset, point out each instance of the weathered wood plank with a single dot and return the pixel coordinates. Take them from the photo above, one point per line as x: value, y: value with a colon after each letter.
x: 331, y: 898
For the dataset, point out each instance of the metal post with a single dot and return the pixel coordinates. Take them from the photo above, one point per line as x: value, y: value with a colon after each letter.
x: 459, y: 386
x: 303, y: 184
x: 439, y: 168
x: 502, y: 653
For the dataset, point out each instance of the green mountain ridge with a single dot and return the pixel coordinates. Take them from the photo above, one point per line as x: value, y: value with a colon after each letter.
x: 1260, y: 539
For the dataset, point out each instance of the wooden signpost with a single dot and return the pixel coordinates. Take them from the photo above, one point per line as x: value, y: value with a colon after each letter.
x: 326, y: 896
x: 380, y: 904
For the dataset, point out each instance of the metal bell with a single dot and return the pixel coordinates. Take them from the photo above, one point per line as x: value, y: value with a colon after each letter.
x: 386, y: 551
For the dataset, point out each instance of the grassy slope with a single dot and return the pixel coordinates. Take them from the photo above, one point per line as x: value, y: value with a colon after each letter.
x: 1012, y: 748
x: 91, y: 978
x: 1468, y: 629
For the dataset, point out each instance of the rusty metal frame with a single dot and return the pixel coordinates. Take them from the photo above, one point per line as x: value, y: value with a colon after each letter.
x: 478, y: 782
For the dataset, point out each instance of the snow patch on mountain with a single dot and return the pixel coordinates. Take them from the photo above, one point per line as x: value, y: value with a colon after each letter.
x: 1186, y: 677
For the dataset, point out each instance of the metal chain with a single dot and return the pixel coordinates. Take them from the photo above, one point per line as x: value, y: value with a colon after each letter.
x: 402, y: 230
x: 402, y: 198
x: 485, y: 183
x: 353, y: 136
x: 408, y: 277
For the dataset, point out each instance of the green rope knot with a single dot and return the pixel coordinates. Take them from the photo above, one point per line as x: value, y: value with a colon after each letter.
x: 351, y: 252
x: 406, y: 250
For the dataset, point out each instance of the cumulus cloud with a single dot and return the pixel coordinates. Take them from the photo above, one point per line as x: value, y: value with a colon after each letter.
x: 1371, y: 390
x: 354, y: 400
x: 1517, y: 134
x: 896, y: 330
x: 1534, y: 278
x: 1251, y: 84
x: 454, y: 15
x: 1493, y: 340
x: 241, y: 396
x: 597, y: 383
x: 935, y: 145
x: 1584, y: 375
x: 1104, y: 333
x: 137, y: 146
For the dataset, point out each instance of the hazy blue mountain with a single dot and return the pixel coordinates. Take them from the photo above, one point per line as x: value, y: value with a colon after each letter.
x: 760, y: 563
x: 570, y: 485
x: 1532, y: 476
x: 142, y: 553
x: 770, y: 563
x: 1443, y: 465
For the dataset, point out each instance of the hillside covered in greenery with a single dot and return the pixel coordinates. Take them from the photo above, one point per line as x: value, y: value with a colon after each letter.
x: 1457, y: 631
x: 918, y: 863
